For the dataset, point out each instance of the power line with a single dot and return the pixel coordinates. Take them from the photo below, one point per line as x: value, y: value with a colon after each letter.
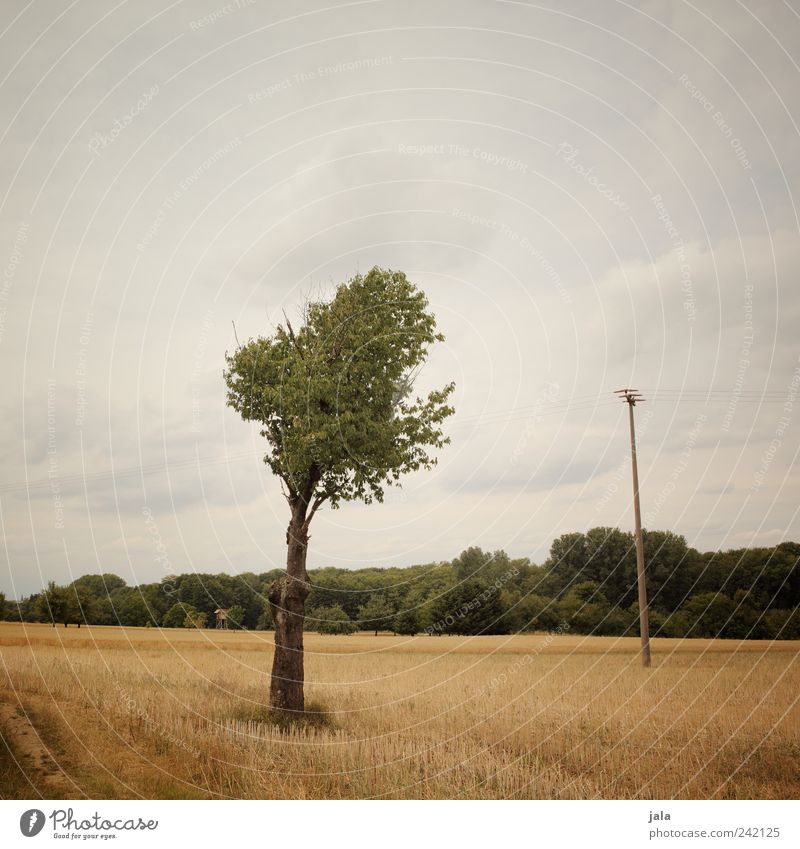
x: 564, y: 403
x: 767, y: 396
x: 535, y: 412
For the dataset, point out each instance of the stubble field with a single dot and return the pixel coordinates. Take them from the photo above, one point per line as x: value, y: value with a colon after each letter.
x: 103, y: 712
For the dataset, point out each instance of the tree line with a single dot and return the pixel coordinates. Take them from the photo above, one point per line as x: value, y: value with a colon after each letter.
x: 587, y: 584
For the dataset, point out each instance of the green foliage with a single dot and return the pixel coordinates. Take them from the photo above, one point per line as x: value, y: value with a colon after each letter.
x: 671, y: 569
x: 177, y: 615
x: 206, y: 592
x: 235, y: 616
x: 57, y: 605
x: 407, y: 622
x: 98, y: 585
x: 709, y: 614
x: 195, y: 619
x: 470, y: 563
x: 586, y: 609
x: 130, y: 607
x: 182, y: 615
x: 736, y: 594
x: 528, y: 612
x: 566, y: 562
x: 606, y: 556
x: 85, y: 606
x: 782, y: 624
x: 375, y: 615
x: 265, y: 621
x: 468, y: 608
x: 333, y: 398
x: 332, y: 620
x: 669, y: 625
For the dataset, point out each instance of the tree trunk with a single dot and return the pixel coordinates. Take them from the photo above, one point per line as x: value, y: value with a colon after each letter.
x: 287, y: 601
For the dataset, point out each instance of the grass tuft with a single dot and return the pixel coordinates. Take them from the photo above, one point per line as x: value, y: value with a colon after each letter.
x: 316, y: 717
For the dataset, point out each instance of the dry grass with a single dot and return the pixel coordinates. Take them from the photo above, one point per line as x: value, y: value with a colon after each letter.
x: 163, y: 714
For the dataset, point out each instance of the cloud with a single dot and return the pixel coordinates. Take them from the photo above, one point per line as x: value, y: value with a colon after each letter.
x: 586, y: 195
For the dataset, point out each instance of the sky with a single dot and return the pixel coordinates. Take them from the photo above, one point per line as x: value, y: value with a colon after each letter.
x: 593, y: 195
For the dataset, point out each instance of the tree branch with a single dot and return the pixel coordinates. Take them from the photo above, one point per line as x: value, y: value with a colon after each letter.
x: 285, y: 489
x: 334, y: 354
x: 292, y: 335
x: 318, y: 502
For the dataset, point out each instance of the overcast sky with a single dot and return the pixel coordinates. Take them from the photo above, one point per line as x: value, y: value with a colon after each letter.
x: 593, y: 195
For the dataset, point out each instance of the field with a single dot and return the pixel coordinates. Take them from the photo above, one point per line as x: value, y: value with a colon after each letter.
x: 133, y: 712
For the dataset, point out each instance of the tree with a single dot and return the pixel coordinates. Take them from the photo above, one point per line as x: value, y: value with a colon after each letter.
x: 235, y: 616
x: 469, y: 608
x: 674, y: 625
x: 530, y: 612
x: 567, y: 560
x: 407, y: 622
x: 670, y: 568
x: 99, y: 585
x: 375, y: 614
x: 334, y: 402
x: 130, y: 607
x: 2, y: 606
x: 611, y: 562
x: 481, y: 565
x: 783, y: 624
x: 247, y: 594
x: 196, y: 621
x: 585, y: 608
x: 57, y: 604
x: 710, y: 615
x: 265, y: 621
x: 471, y: 563
x: 178, y: 614
x: 333, y: 620
x: 204, y: 592
x: 86, y: 606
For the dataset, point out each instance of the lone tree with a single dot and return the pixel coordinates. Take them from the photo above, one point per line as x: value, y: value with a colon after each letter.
x: 334, y: 399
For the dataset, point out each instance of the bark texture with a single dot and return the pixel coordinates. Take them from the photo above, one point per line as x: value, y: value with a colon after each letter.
x: 287, y: 600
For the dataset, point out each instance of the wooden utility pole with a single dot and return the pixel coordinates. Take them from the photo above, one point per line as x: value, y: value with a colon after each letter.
x: 630, y: 397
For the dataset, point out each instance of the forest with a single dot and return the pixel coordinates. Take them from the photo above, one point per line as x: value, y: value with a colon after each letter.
x: 587, y: 585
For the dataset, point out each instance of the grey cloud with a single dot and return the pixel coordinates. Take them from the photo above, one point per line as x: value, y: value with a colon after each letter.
x: 276, y: 159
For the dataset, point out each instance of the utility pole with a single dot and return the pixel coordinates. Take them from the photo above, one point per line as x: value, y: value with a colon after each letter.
x: 630, y: 397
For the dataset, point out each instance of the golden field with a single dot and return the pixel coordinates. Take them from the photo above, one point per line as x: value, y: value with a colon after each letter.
x: 104, y: 712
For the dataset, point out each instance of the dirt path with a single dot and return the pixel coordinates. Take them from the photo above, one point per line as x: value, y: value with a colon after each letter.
x: 34, y: 758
